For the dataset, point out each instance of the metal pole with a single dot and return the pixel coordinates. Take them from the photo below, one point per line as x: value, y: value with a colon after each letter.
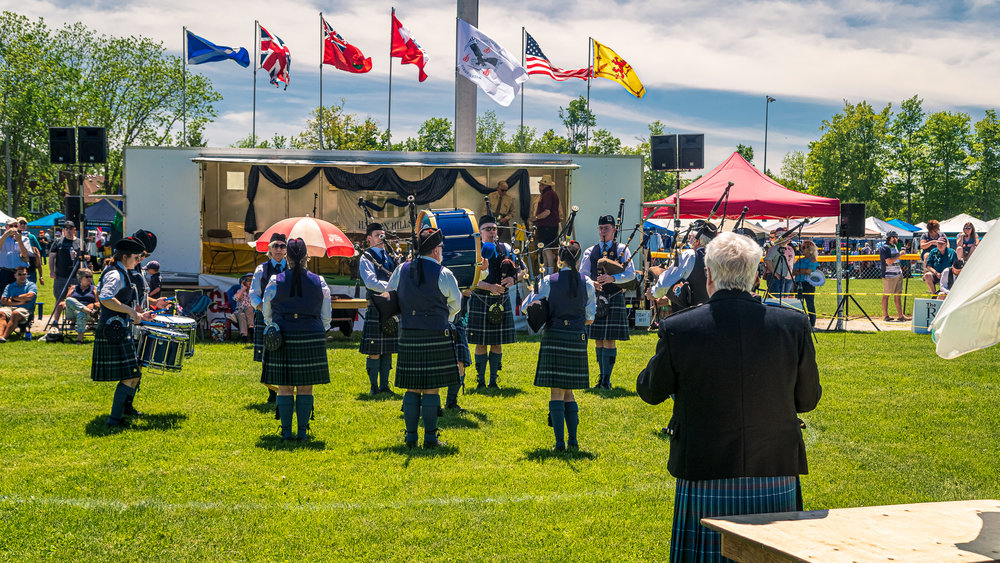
x: 184, y: 89
x: 256, y: 46
x: 767, y: 105
x: 322, y: 51
x: 590, y: 74
x: 523, y: 63
x: 840, y: 276
x: 6, y: 159
x: 388, y: 126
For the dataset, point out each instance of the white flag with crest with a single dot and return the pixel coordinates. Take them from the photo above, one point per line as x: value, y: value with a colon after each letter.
x: 488, y: 65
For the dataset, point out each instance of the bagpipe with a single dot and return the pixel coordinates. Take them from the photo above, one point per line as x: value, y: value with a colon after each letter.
x: 610, y: 263
x: 537, y: 310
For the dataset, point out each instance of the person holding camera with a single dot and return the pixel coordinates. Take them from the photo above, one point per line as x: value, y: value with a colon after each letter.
x: 63, y: 254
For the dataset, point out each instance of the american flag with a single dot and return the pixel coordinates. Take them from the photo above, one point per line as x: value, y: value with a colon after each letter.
x: 538, y: 63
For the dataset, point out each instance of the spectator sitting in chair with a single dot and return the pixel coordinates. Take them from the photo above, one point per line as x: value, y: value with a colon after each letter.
x: 939, y: 258
x: 17, y: 302
x: 81, y: 302
x: 239, y: 302
x: 949, y: 276
x: 155, y: 285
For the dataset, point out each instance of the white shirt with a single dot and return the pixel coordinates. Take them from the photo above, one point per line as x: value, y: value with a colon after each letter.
x: 625, y: 257
x: 112, y: 282
x: 325, y: 311
x: 674, y: 274
x: 369, y: 272
x: 446, y: 283
x: 256, y: 291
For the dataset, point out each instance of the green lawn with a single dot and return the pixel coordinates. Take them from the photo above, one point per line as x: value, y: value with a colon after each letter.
x: 203, y: 475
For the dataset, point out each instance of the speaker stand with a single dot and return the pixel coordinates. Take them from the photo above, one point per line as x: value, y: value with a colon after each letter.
x: 842, y: 305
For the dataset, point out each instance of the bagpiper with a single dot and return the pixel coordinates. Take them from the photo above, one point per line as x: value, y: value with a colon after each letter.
x: 378, y: 340
x: 491, y: 317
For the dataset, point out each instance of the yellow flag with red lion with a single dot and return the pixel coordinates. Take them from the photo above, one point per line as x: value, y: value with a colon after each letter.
x: 607, y: 64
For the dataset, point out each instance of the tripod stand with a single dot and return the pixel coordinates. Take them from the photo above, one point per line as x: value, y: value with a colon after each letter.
x: 65, y: 289
x: 842, y: 305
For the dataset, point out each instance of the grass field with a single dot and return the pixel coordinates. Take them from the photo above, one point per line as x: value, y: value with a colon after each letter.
x: 204, y: 476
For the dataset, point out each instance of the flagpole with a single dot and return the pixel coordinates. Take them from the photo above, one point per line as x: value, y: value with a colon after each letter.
x: 184, y: 90
x: 321, y: 47
x: 523, y: 64
x: 590, y: 75
x: 256, y: 45
x: 388, y: 126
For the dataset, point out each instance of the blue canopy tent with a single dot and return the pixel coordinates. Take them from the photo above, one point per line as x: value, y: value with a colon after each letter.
x: 47, y: 222
x: 904, y: 225
x: 101, y: 214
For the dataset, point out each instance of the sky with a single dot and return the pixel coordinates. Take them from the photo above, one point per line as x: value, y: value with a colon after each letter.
x: 707, y: 65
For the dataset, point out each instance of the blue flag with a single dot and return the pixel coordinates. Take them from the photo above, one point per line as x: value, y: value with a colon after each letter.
x: 200, y: 50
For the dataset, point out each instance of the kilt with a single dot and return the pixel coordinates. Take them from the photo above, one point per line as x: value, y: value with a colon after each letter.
x: 258, y: 336
x: 301, y: 360
x: 562, y: 360
x: 113, y: 362
x: 426, y: 359
x: 615, y: 325
x: 462, y: 345
x: 480, y: 330
x: 694, y: 500
x: 372, y: 339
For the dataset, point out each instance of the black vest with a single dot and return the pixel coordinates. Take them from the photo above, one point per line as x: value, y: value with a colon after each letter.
x: 567, y: 312
x: 85, y: 297
x: 266, y: 275
x: 383, y: 268
x: 126, y: 296
x: 422, y: 306
x: 493, y: 276
x: 610, y: 289
x: 697, y: 280
x: 302, y: 312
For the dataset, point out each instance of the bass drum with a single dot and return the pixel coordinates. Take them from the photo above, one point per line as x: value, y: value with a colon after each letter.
x: 462, y: 249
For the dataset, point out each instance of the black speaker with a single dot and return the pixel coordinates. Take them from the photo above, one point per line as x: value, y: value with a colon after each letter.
x: 93, y: 144
x: 74, y: 208
x: 692, y: 151
x: 62, y: 145
x: 663, y: 152
x: 852, y: 220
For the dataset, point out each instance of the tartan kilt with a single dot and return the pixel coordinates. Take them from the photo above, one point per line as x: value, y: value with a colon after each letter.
x: 562, y: 360
x: 426, y: 359
x: 113, y: 362
x: 694, y: 500
x: 258, y: 336
x: 615, y: 325
x: 480, y: 330
x: 372, y: 339
x: 301, y: 360
x: 462, y: 345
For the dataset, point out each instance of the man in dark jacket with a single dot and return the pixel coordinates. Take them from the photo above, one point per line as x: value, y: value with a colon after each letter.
x: 739, y: 373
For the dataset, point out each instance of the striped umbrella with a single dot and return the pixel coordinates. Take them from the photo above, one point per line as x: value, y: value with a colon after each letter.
x: 321, y: 238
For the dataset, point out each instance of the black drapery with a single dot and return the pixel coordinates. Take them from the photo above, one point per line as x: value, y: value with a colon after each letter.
x: 432, y: 188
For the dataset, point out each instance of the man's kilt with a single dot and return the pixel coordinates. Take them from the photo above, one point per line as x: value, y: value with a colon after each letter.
x: 373, y: 341
x: 301, y: 360
x: 562, y: 360
x: 480, y: 330
x: 113, y: 362
x: 258, y: 336
x: 426, y: 359
x: 615, y: 325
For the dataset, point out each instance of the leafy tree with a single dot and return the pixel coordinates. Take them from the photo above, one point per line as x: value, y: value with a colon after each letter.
x: 847, y: 161
x: 340, y: 131
x: 603, y: 142
x: 985, y: 182
x: 577, y: 118
x: 275, y: 142
x: 905, y: 148
x: 746, y: 152
x: 435, y: 135
x: 793, y: 171
x: 490, y: 133
x: 948, y: 141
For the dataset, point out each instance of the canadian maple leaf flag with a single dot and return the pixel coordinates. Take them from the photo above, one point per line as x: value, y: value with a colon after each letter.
x: 406, y: 48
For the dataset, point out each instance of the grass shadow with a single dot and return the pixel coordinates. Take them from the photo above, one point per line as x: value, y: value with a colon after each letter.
x: 417, y: 452
x: 381, y: 397
x: 568, y: 456
x: 160, y: 422
x: 613, y: 393
x: 502, y: 392
x: 468, y: 419
x: 262, y: 408
x: 273, y: 442
x: 660, y: 434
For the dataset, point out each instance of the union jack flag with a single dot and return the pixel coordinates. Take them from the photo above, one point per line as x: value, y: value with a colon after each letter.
x: 274, y: 57
x: 537, y: 63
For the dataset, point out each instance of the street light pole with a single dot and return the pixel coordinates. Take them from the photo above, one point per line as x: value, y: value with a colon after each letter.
x: 767, y: 106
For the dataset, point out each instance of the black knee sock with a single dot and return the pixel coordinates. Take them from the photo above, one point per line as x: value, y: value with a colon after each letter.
x: 385, y: 366
x: 572, y: 421
x: 481, y: 361
x: 371, y: 366
x: 612, y: 355
x: 411, y: 414
x: 452, y: 395
x: 122, y: 393
x: 303, y: 408
x: 495, y: 366
x: 557, y: 410
x: 429, y: 410
x: 286, y: 406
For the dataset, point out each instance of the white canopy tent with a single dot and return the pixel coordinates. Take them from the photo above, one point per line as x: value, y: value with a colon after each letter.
x: 876, y: 224
x: 954, y: 225
x: 827, y: 227
x: 4, y: 217
x: 969, y: 318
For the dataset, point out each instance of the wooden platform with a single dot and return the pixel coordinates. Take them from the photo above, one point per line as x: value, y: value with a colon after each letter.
x: 938, y: 532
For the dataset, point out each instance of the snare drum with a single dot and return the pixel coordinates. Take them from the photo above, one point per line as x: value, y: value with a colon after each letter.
x: 183, y: 325
x: 160, y: 349
x: 461, y: 242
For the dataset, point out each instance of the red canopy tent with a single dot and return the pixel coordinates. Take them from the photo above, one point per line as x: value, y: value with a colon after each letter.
x: 765, y: 198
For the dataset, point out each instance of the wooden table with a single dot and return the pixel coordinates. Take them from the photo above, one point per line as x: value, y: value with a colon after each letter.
x: 348, y: 303
x: 930, y: 532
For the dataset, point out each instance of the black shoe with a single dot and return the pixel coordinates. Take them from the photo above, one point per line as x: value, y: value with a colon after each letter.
x: 271, y: 396
x: 454, y: 407
x: 120, y: 423
x: 572, y: 445
x: 432, y: 444
x: 385, y: 390
x: 373, y: 391
x: 493, y: 385
x: 411, y: 445
x: 480, y: 385
x: 558, y: 448
x: 130, y: 411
